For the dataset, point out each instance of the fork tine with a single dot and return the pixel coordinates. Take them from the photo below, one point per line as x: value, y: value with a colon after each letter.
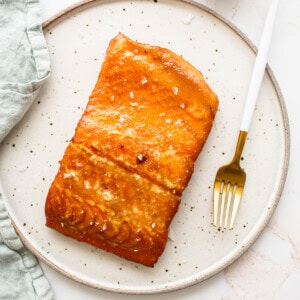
x: 217, y: 195
x: 224, y: 198
x: 227, y: 199
x: 230, y: 199
x: 236, y: 204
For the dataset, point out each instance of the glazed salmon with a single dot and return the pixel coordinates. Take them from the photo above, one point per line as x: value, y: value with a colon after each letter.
x: 132, y: 155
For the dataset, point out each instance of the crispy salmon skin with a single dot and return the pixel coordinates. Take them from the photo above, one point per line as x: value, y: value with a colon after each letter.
x: 122, y: 175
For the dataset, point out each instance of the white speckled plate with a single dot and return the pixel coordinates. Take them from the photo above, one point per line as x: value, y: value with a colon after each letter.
x: 29, y: 156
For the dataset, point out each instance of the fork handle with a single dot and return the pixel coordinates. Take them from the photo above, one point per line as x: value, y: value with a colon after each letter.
x: 239, y: 147
x: 259, y: 67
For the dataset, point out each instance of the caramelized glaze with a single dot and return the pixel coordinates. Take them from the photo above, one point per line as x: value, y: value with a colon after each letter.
x: 122, y: 176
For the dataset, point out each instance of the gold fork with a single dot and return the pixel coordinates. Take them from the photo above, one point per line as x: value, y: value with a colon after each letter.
x: 230, y: 179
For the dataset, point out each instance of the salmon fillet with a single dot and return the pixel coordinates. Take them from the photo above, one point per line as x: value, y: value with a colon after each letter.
x: 122, y: 175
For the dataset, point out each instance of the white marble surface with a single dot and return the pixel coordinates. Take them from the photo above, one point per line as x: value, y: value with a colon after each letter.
x: 270, y: 269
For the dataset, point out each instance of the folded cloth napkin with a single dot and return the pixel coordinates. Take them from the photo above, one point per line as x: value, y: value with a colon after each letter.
x: 24, y: 65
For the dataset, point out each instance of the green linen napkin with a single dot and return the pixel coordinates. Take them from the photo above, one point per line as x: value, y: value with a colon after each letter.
x: 24, y: 65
